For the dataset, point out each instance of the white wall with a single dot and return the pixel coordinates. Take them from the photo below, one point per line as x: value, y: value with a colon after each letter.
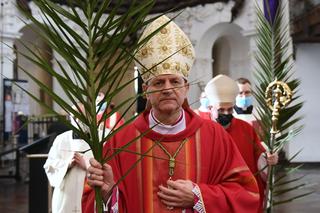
x: 308, y: 71
x: 206, y: 24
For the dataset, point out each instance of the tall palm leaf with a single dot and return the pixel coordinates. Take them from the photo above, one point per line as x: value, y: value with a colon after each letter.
x: 100, y: 59
x: 275, y: 63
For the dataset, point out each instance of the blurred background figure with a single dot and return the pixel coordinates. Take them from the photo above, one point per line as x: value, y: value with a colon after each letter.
x: 21, y: 129
x: 8, y: 117
x: 103, y: 109
x: 203, y: 111
x: 101, y: 105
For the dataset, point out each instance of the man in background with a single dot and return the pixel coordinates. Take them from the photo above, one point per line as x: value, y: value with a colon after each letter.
x: 243, y: 108
x: 222, y: 92
x: 111, y: 122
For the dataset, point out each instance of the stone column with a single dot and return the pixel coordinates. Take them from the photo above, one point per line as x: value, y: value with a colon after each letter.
x: 200, y: 75
x: 55, y: 84
x: 8, y: 34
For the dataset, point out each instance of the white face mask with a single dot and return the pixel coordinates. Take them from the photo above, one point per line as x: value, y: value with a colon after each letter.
x: 244, y: 102
x: 102, y: 106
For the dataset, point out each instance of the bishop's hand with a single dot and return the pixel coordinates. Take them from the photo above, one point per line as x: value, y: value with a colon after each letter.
x: 101, y: 176
x: 177, y: 194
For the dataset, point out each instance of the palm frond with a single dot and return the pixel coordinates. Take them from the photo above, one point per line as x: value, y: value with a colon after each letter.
x: 274, y: 62
x: 292, y: 198
x: 98, y: 50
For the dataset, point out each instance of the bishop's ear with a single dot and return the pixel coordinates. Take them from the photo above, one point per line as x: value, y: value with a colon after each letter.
x: 145, y: 89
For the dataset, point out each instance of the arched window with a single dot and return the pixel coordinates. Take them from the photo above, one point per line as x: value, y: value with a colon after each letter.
x: 221, y: 53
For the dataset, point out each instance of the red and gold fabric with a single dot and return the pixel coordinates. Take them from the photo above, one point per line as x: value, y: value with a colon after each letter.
x: 209, y: 159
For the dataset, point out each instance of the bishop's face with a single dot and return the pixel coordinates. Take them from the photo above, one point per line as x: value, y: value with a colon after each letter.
x: 166, y: 93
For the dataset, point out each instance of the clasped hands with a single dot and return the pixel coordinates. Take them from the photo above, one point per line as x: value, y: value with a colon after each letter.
x: 177, y: 193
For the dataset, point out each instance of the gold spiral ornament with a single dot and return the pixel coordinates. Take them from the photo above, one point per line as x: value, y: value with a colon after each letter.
x: 278, y: 92
x: 278, y: 95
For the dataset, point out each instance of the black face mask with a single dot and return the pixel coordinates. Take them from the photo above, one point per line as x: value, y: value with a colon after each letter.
x: 224, y: 120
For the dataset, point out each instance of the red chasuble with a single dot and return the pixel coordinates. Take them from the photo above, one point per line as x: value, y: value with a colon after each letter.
x: 250, y: 148
x: 209, y: 159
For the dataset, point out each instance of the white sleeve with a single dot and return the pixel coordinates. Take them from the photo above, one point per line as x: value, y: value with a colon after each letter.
x: 263, y: 166
x: 57, y: 163
x: 262, y: 163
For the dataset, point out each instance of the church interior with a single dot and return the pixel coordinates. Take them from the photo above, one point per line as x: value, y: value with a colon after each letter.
x: 224, y: 36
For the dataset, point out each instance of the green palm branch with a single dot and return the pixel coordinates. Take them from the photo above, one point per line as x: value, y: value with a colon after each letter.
x: 98, y: 60
x: 275, y: 63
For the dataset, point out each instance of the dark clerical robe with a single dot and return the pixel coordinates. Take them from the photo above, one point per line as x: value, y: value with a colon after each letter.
x: 250, y: 148
x: 209, y: 158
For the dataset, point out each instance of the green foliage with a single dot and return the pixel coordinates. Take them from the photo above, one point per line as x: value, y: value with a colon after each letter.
x: 275, y: 63
x: 99, y: 51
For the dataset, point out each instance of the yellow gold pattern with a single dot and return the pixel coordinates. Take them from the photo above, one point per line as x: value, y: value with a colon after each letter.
x: 167, y: 52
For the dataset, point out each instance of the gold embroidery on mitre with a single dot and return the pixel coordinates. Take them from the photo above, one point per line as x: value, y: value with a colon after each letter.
x: 154, y: 67
x: 146, y: 51
x: 166, y: 66
x: 164, y: 30
x: 177, y: 66
x: 170, y: 48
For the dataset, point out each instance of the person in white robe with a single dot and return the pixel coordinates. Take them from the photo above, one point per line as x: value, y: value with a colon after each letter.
x: 66, y: 166
x: 66, y: 171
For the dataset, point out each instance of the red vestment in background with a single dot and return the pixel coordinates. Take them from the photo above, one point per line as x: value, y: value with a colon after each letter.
x: 204, y: 115
x: 250, y: 148
x: 114, y: 120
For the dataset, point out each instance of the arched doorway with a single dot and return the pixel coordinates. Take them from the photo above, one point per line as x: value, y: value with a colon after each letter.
x: 230, y: 52
x: 225, y: 50
x: 222, y: 49
x: 221, y: 55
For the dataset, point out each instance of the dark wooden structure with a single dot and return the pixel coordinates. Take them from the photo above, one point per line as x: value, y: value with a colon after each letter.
x: 159, y: 7
x: 9, y: 149
x: 305, y: 22
x: 38, y: 182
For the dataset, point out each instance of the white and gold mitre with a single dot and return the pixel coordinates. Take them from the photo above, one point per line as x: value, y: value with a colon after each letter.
x: 221, y: 89
x: 170, y: 48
